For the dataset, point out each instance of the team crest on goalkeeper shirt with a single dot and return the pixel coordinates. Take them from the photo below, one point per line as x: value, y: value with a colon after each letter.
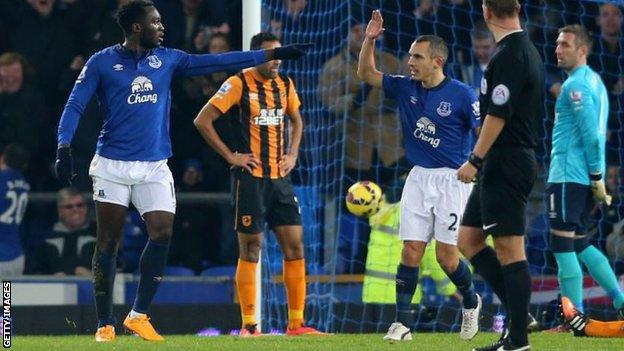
x: 140, y: 89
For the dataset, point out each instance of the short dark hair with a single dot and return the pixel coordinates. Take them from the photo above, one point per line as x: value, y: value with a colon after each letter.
x: 258, y: 39
x: 132, y: 12
x: 502, y: 8
x: 437, y: 46
x: 15, y: 157
x: 581, y: 34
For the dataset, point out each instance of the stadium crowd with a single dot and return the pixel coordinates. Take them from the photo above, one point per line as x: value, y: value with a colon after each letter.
x: 44, y: 45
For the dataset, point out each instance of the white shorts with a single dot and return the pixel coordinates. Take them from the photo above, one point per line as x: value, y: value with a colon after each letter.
x: 432, y: 204
x: 148, y: 184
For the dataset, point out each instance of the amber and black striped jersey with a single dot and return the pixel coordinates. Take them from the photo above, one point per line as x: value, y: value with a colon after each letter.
x: 264, y: 104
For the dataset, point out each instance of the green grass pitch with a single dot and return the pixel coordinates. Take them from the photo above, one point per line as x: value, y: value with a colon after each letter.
x: 341, y: 342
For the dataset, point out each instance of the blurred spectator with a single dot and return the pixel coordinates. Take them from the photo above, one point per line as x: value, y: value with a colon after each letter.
x: 69, y: 245
x: 21, y: 110
x: 44, y: 36
x: 108, y: 32
x: 192, y: 227
x: 607, y: 52
x: 483, y: 45
x: 190, y: 98
x: 13, y: 201
x: 193, y: 177
x: 134, y: 239
x: 373, y: 130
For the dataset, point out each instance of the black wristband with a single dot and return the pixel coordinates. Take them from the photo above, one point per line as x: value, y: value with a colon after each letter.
x: 595, y: 176
x: 476, y: 161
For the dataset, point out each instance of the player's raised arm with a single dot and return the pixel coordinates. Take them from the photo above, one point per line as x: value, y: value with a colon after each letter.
x: 366, y: 63
x: 191, y: 65
x: 84, y: 88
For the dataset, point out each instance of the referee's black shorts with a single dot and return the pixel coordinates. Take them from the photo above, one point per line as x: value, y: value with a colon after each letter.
x: 498, y: 201
x: 259, y: 200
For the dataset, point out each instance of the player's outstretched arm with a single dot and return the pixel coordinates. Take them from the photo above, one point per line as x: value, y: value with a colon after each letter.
x: 204, y: 122
x: 192, y: 65
x: 366, y: 63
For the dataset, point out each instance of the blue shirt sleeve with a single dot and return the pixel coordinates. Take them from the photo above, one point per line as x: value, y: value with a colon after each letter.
x: 193, y: 65
x: 392, y: 85
x: 84, y: 88
x: 472, y: 109
x: 587, y: 115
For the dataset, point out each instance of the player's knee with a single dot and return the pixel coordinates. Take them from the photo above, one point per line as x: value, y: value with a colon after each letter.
x: 470, y: 241
x: 160, y: 233
x: 447, y: 261
x: 250, y: 250
x: 108, y: 244
x: 293, y: 251
x: 509, y: 252
x: 411, y: 254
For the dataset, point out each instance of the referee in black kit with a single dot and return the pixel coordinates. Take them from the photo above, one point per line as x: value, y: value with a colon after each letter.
x: 512, y: 102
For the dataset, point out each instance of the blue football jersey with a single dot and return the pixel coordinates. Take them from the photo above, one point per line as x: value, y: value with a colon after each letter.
x: 580, y: 132
x: 437, y: 123
x: 13, y: 201
x: 135, y: 97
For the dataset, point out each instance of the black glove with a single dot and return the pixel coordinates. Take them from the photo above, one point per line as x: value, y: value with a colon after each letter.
x: 291, y: 52
x: 64, y: 166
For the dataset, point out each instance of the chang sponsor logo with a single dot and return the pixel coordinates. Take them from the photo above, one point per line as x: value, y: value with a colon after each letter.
x: 425, y: 131
x: 141, y: 89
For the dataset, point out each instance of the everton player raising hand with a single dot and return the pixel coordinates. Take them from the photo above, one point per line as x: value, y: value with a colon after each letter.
x: 132, y: 83
x: 438, y: 117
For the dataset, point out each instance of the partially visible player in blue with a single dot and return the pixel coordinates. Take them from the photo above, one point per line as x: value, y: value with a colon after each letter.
x: 438, y: 118
x: 577, y: 167
x: 132, y: 83
x: 13, y: 201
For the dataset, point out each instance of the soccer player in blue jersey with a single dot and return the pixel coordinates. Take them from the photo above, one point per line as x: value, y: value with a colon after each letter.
x: 132, y: 83
x: 438, y: 118
x: 576, y: 170
x: 13, y: 201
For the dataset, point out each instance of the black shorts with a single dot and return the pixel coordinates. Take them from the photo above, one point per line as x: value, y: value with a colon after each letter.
x: 257, y: 200
x: 498, y: 200
x: 569, y: 207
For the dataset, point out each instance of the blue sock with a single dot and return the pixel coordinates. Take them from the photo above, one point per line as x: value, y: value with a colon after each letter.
x: 570, y: 277
x: 104, y: 268
x: 462, y: 278
x: 600, y: 269
x: 406, y: 281
x: 153, y: 261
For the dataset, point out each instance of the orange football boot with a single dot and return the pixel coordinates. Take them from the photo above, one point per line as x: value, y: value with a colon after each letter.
x: 142, y: 327
x: 105, y: 334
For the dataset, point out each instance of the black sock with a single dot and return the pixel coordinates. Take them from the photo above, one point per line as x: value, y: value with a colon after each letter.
x: 487, y: 265
x: 104, y: 268
x: 406, y: 281
x: 462, y: 278
x: 518, y: 287
x: 153, y: 261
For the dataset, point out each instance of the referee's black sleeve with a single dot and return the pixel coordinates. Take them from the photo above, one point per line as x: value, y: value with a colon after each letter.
x: 506, y: 85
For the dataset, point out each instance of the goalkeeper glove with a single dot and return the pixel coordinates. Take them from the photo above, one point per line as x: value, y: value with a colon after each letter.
x: 64, y: 166
x: 599, y: 190
x: 290, y: 52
